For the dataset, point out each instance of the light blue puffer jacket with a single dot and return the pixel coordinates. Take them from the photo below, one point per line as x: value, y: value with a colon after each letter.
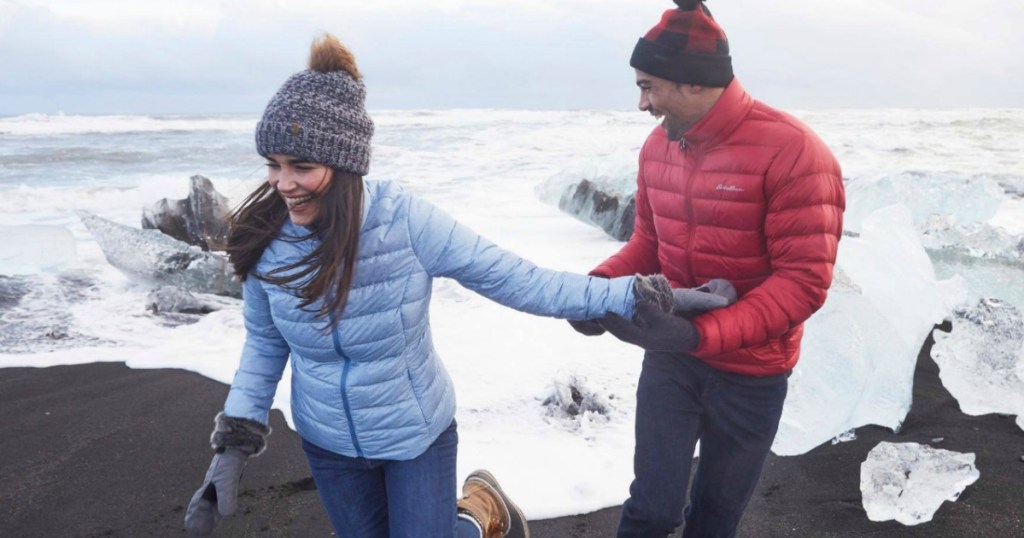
x: 374, y: 387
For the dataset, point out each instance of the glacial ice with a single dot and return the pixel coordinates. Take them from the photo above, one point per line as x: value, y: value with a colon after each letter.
x: 575, y: 406
x: 963, y: 199
x: 600, y: 193
x: 160, y: 259
x: 981, y: 361
x: 908, y: 482
x: 200, y: 219
x: 613, y: 173
x: 990, y: 259
x: 860, y: 350
x: 27, y: 250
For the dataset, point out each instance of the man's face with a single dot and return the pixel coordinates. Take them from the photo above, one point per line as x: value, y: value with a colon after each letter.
x: 675, y: 104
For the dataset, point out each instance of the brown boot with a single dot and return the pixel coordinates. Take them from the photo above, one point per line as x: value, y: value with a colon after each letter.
x: 484, y: 501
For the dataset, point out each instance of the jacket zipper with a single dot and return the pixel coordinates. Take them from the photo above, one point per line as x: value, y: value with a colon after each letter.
x: 344, y: 394
x: 689, y: 209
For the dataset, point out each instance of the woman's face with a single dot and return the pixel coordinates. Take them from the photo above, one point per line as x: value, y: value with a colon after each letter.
x: 300, y: 184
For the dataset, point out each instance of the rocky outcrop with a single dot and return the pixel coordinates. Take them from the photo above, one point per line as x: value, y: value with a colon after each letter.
x: 201, y: 219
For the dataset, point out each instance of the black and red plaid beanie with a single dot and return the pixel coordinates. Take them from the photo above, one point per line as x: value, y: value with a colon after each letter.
x: 687, y: 46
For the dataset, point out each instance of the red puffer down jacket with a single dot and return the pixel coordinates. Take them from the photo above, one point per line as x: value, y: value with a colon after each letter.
x: 751, y: 195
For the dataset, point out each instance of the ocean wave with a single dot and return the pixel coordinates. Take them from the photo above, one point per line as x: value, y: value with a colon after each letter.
x: 74, y: 155
x: 67, y: 124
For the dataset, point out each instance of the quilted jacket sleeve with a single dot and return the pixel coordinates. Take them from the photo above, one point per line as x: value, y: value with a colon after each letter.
x: 803, y: 224
x: 264, y: 356
x: 446, y: 248
x: 639, y: 256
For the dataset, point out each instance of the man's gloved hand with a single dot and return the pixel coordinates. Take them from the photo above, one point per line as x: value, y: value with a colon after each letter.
x: 587, y: 327
x: 234, y: 440
x: 689, y: 302
x: 654, y: 330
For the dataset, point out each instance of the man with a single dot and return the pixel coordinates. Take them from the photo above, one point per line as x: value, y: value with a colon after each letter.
x: 727, y: 188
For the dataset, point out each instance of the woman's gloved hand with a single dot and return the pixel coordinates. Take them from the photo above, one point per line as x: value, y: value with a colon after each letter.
x: 234, y: 440
x: 646, y: 289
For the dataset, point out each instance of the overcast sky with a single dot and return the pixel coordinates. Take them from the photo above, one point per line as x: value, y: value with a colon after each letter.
x: 184, y: 56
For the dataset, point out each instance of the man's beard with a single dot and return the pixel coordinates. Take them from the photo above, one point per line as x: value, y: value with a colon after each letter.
x: 674, y: 128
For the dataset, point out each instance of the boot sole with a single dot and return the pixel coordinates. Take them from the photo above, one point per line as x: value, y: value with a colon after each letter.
x: 518, y: 527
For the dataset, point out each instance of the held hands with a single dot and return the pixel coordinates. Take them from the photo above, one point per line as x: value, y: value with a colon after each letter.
x: 235, y: 440
x: 656, y: 328
x: 653, y: 288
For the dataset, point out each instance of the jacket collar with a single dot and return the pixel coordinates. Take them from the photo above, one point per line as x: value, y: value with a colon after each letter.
x: 723, y: 118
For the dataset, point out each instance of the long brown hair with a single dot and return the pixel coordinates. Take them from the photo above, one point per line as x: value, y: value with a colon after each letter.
x: 327, y: 271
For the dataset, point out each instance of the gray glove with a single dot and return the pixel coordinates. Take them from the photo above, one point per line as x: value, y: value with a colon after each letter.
x: 218, y: 496
x: 235, y: 440
x: 717, y: 293
x: 654, y: 330
x: 654, y: 288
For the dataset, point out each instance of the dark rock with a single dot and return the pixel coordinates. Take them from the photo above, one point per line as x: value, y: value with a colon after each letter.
x: 201, y: 219
x: 612, y: 212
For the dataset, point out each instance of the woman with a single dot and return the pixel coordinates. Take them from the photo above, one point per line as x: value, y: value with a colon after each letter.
x: 337, y: 275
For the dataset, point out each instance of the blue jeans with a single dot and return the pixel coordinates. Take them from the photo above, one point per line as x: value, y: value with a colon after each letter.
x: 679, y: 400
x: 368, y: 498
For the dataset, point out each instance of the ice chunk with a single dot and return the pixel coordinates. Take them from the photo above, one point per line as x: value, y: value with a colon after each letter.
x: 200, y: 219
x: 26, y: 250
x: 989, y: 258
x: 859, y: 351
x: 966, y: 199
x: 576, y: 406
x: 600, y: 193
x: 845, y: 437
x: 170, y: 299
x: 908, y: 481
x: 157, y: 258
x: 614, y: 173
x: 1013, y: 184
x: 981, y: 361
x: 972, y: 241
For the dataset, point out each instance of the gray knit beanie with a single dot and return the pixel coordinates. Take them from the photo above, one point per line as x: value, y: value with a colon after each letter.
x: 319, y: 115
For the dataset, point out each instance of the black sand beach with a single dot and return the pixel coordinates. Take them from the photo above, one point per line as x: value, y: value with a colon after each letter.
x: 101, y: 450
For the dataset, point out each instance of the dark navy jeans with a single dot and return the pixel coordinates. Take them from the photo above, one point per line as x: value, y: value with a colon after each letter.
x: 679, y: 401
x: 368, y: 498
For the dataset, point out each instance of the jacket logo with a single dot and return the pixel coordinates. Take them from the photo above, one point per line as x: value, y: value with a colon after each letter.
x: 730, y: 188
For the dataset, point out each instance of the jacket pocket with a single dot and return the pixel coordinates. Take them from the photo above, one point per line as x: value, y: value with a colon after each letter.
x: 417, y: 396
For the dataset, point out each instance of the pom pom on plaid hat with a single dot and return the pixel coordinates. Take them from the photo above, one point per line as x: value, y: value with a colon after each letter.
x: 686, y: 46
x: 319, y: 115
